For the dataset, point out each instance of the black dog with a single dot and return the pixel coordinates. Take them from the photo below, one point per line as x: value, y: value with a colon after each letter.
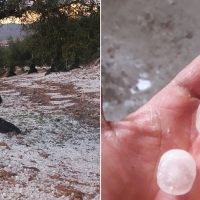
x: 7, y: 127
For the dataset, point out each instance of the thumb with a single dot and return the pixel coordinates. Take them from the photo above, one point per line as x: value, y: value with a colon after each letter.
x: 105, y: 125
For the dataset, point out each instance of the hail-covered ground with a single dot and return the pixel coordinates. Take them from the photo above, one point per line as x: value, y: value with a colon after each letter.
x: 56, y: 156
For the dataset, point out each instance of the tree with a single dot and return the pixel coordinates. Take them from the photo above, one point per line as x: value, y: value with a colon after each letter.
x: 2, y: 60
x: 12, y: 56
x: 65, y: 33
x: 17, y: 54
x: 12, y: 8
x: 2, y: 56
x: 27, y: 54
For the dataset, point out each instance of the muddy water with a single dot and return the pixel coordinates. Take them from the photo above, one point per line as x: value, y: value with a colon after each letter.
x: 144, y: 45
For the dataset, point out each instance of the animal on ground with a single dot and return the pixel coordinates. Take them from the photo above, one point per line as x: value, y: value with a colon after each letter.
x: 7, y: 127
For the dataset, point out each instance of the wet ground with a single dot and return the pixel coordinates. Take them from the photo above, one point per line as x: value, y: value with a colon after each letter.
x: 144, y: 45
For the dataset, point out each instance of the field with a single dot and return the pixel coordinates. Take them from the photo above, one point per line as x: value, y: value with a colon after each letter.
x: 56, y: 156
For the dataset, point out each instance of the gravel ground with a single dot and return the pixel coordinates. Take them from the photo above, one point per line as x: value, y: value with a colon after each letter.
x: 144, y: 45
x: 57, y: 154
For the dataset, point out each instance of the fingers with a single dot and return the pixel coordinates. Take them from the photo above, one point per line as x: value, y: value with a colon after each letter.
x: 181, y: 95
x: 104, y: 124
x: 189, y: 77
x: 183, y: 92
x: 179, y: 92
x: 177, y: 95
x: 163, y: 196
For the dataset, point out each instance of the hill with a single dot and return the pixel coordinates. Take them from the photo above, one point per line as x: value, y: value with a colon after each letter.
x: 10, y: 30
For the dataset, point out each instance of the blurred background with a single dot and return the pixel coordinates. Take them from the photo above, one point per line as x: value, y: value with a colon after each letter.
x: 145, y: 44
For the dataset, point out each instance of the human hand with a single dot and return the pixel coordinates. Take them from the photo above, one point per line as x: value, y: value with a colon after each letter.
x: 131, y: 149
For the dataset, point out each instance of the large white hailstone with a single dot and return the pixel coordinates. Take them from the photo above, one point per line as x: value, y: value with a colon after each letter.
x: 176, y: 172
x: 198, y: 119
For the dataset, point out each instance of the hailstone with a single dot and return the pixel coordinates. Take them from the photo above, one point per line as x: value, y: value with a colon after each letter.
x: 198, y: 119
x: 176, y: 172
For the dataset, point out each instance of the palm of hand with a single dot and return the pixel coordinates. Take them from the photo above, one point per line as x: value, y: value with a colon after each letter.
x: 131, y: 149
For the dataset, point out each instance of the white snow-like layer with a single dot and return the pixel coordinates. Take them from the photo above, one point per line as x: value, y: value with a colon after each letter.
x: 57, y: 95
x: 198, y: 119
x: 54, y: 149
x: 176, y: 172
x: 133, y: 91
x: 59, y: 102
x: 143, y: 84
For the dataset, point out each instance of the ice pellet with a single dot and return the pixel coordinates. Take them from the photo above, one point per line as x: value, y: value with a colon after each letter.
x: 198, y: 119
x: 176, y: 172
